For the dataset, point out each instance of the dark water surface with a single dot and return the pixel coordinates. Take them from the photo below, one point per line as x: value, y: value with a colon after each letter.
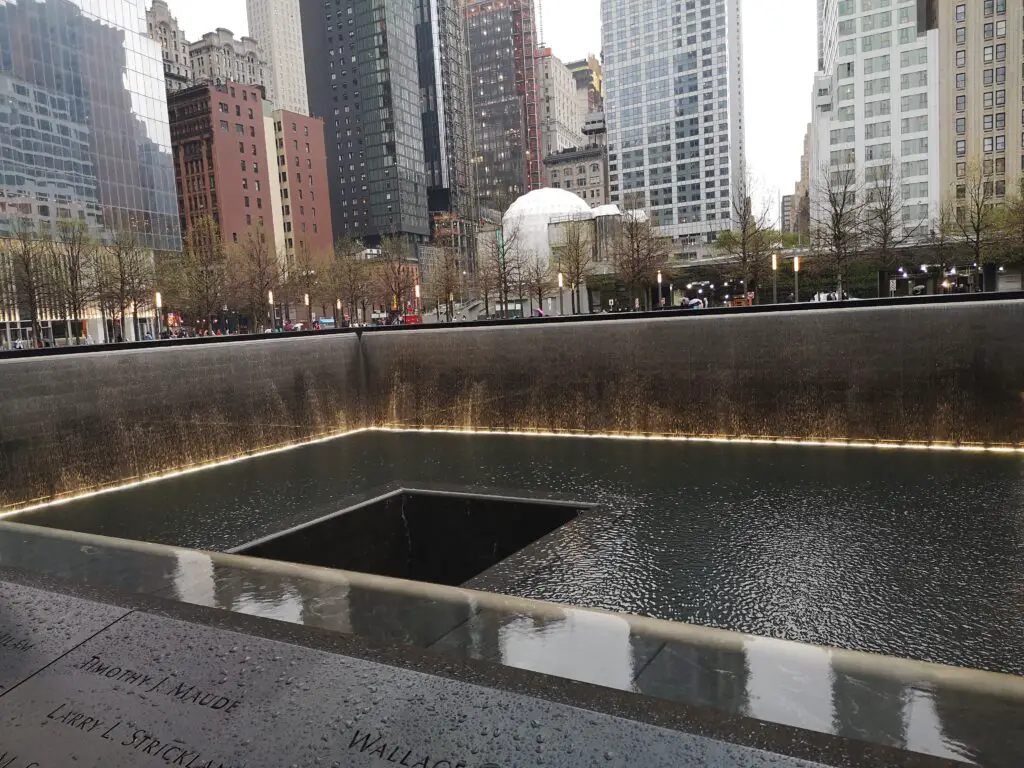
x: 908, y: 554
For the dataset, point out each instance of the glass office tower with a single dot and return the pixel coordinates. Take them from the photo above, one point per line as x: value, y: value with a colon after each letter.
x: 83, y: 120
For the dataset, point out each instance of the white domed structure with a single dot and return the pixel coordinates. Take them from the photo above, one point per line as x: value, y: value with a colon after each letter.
x: 529, y: 216
x: 607, y: 210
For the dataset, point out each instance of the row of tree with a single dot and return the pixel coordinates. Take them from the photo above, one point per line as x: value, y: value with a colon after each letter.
x: 67, y: 274
x: 249, y: 277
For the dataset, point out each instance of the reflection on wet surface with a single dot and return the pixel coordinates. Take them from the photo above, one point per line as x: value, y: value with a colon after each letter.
x: 900, y: 553
x: 944, y: 711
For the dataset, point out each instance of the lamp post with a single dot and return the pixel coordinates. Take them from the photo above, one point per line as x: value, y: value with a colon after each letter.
x: 561, y: 294
x: 159, y: 301
x: 775, y: 278
x: 661, y: 299
x: 416, y: 290
x: 338, y: 318
x: 270, y: 302
x: 796, y: 278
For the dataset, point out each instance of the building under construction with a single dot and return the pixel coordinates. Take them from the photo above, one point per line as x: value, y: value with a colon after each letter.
x: 503, y: 76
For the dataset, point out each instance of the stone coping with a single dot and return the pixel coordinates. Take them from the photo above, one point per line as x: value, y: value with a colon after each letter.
x: 665, y: 661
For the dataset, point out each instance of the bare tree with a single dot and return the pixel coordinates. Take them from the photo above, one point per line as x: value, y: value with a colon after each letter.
x: 254, y: 272
x: 200, y: 282
x: 32, y: 274
x: 576, y: 257
x: 974, y: 212
x: 396, y: 269
x: 487, y: 270
x: 124, y: 280
x: 752, y: 238
x: 836, y: 221
x: 884, y: 227
x: 73, y: 257
x: 1009, y: 228
x: 502, y: 264
x: 638, y: 253
x: 537, y: 279
x: 308, y: 277
x: 444, y: 278
x: 349, y: 275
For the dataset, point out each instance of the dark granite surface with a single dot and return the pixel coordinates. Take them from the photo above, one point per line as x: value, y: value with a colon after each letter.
x: 188, y: 686
x: 921, y: 371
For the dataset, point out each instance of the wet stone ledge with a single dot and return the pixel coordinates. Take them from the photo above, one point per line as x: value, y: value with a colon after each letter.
x: 156, y: 682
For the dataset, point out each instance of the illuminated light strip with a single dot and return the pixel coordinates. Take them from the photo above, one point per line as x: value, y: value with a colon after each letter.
x: 720, y: 440
x: 180, y: 472
x: 624, y: 436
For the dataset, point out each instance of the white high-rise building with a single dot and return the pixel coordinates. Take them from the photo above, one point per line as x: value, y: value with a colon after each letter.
x: 673, y: 74
x: 276, y: 24
x: 876, y: 121
x: 561, y: 119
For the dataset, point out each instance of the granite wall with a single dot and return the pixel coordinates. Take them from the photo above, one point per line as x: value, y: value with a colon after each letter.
x: 942, y: 372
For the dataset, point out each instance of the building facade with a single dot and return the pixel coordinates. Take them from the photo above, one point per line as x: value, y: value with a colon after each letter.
x: 278, y: 26
x: 589, y: 84
x: 363, y: 77
x: 220, y: 154
x: 582, y: 171
x: 786, y: 213
x: 507, y: 156
x: 876, y: 124
x: 79, y: 141
x: 674, y: 106
x: 561, y: 120
x: 163, y: 27
x: 219, y: 58
x: 982, y: 104
x: 304, y: 203
x: 443, y: 64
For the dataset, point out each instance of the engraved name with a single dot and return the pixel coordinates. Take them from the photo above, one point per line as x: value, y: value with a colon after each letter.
x: 11, y: 643
x: 167, y: 685
x: 10, y: 760
x: 375, y: 745
x: 126, y: 735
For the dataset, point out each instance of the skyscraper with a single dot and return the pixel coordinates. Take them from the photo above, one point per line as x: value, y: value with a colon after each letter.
x: 674, y: 104
x: 561, y: 119
x: 507, y: 157
x: 363, y: 79
x: 981, y: 101
x: 277, y: 26
x: 80, y: 139
x: 876, y: 120
x: 444, y: 96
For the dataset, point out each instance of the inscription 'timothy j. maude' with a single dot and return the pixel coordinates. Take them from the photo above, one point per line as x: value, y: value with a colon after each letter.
x: 168, y: 685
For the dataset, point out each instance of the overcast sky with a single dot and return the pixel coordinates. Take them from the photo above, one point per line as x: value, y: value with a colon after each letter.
x: 780, y: 53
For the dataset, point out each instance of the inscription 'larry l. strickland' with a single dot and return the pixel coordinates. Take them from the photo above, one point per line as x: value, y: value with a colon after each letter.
x: 168, y: 685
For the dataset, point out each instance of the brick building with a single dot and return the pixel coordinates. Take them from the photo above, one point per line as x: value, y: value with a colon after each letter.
x: 304, y: 205
x: 220, y: 158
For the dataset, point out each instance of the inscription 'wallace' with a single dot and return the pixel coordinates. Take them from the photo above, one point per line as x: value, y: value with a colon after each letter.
x: 376, y: 745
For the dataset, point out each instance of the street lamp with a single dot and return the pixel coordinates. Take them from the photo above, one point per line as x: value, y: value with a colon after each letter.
x: 775, y: 278
x: 561, y: 295
x: 159, y: 307
x: 796, y: 278
x: 270, y: 301
x: 416, y: 291
x: 661, y: 299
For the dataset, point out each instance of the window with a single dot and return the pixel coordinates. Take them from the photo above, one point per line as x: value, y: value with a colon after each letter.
x: 988, y: 144
x: 961, y: 35
x: 224, y: 125
x: 961, y: 58
x: 961, y: 81
x: 960, y: 13
x: 961, y: 103
x: 242, y: 164
x: 246, y: 201
x: 1000, y: 143
x: 914, y: 101
x: 961, y: 147
x: 961, y: 125
x: 961, y: 170
x: 987, y: 122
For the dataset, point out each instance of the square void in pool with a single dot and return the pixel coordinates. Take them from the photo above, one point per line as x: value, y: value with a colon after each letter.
x: 440, y: 538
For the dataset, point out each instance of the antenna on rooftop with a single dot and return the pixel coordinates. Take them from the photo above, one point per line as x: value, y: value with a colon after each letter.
x: 540, y: 23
